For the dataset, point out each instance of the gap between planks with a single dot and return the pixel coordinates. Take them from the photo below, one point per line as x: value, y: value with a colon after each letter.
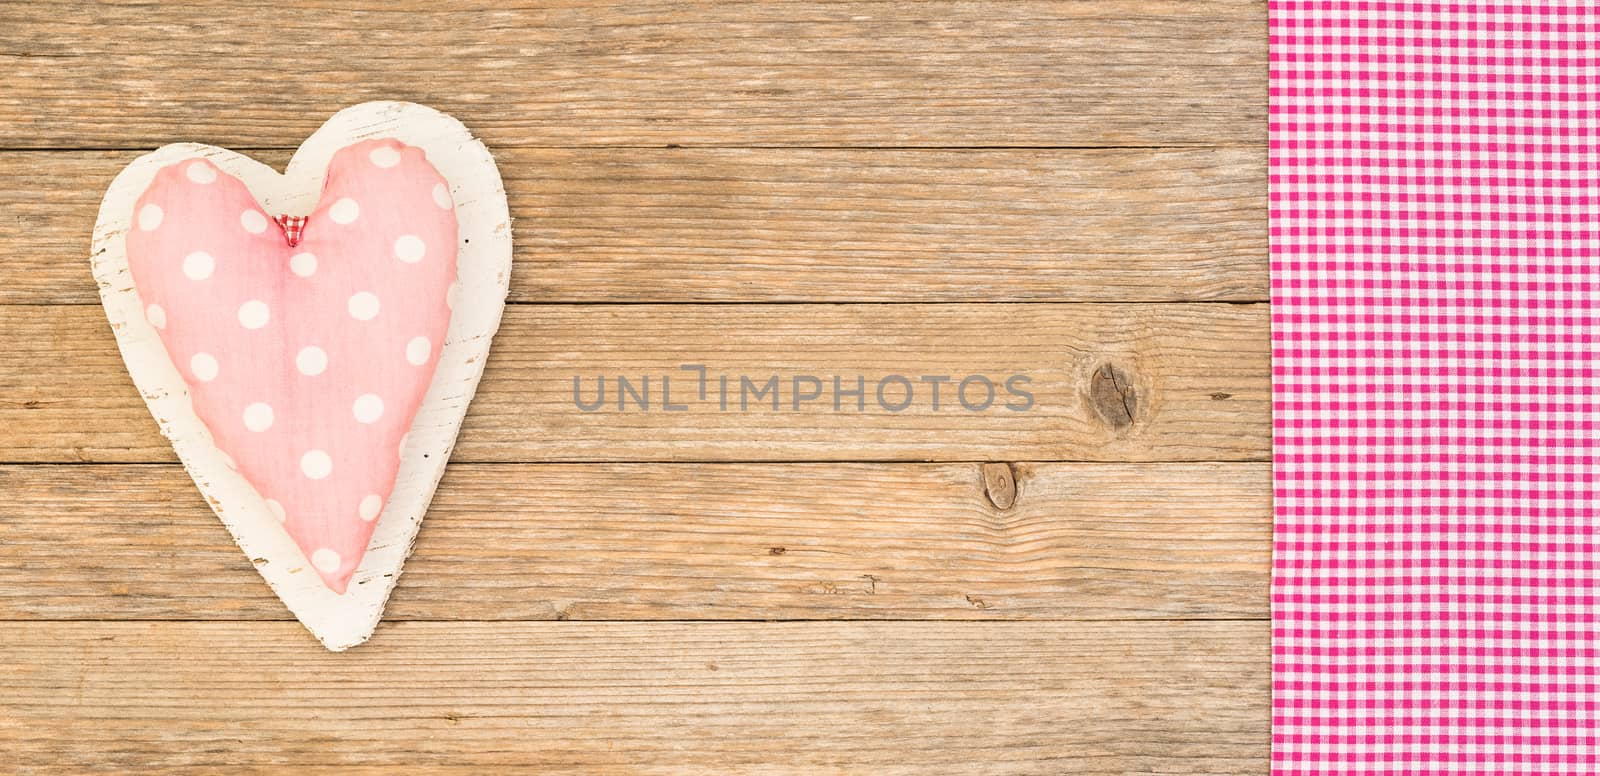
x: 287, y: 149
x: 678, y: 621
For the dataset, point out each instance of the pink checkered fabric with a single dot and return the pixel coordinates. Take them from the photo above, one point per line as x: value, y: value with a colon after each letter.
x: 1435, y: 221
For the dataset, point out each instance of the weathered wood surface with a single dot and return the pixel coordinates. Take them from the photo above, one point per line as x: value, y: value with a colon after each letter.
x: 1161, y: 382
x: 1077, y: 617
x: 688, y: 542
x: 1099, y: 73
x: 881, y: 698
x: 750, y: 225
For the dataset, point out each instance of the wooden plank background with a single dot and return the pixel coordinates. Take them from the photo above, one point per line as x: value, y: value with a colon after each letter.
x: 1070, y: 190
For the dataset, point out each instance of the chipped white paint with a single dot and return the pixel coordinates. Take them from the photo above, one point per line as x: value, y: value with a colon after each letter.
x: 484, y: 270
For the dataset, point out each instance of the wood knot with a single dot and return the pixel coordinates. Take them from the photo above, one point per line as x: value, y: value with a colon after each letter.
x: 1112, y: 394
x: 1000, y: 485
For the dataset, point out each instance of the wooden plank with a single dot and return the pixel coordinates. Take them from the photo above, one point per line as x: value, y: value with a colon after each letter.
x: 723, y: 225
x: 688, y: 541
x: 733, y: 698
x: 1162, y: 382
x: 1100, y: 73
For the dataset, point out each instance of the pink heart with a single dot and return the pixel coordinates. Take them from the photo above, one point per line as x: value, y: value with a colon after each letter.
x: 306, y: 362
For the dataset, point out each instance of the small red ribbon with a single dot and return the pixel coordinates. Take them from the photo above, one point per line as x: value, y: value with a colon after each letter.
x: 293, y: 227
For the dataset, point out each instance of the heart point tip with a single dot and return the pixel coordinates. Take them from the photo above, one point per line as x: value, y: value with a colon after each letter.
x: 337, y: 581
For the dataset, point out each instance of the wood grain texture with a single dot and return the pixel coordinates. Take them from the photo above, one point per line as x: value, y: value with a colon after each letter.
x: 762, y: 225
x: 1193, y: 377
x: 1099, y: 73
x: 881, y: 698
x: 1003, y: 611
x: 687, y: 541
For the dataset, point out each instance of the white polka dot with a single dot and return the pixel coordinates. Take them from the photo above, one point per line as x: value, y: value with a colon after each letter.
x: 204, y: 367
x: 344, y: 211
x: 451, y: 294
x: 418, y: 350
x: 253, y: 221
x: 200, y: 172
x: 156, y: 316
x: 150, y: 217
x: 258, y: 416
x: 441, y: 196
x: 327, y: 561
x: 384, y: 156
x: 401, y: 450
x: 198, y: 265
x: 368, y: 408
x: 254, y: 314
x: 277, y: 510
x: 316, y: 464
x: 363, y: 306
x: 311, y: 360
x: 409, y: 248
x: 370, y: 507
x: 303, y: 264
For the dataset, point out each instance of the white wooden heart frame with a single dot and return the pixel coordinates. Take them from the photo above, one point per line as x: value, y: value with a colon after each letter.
x: 483, y: 264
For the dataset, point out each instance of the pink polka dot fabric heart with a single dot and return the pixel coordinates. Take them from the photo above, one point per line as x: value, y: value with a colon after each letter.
x: 307, y: 362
